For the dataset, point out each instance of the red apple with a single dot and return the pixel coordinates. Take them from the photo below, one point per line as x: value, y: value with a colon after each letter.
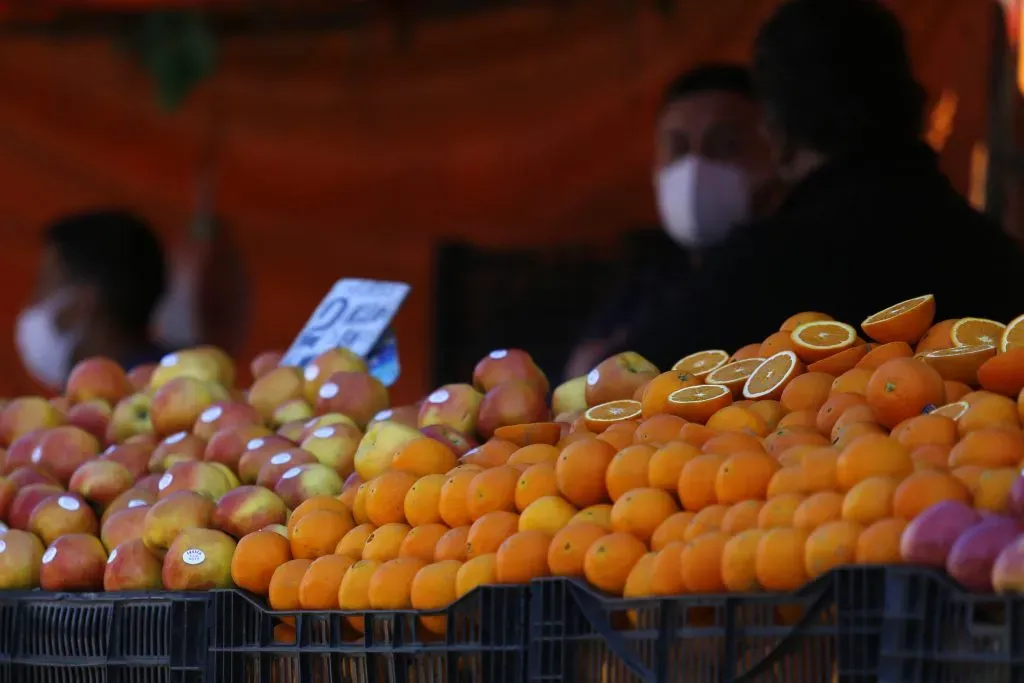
x: 193, y: 475
x: 274, y: 389
x: 172, y: 515
x: 303, y: 482
x: 248, y: 509
x: 73, y: 563
x: 62, y: 449
x: 224, y: 414
x: 178, y: 404
x: 132, y: 456
x: 132, y: 567
x: 358, y: 395
x: 130, y: 418
x: 132, y: 498
x: 60, y: 514
x: 124, y: 526
x: 618, y: 378
x: 325, y: 365
x: 264, y: 363
x: 26, y: 414
x: 101, y: 481
x: 92, y: 416
x: 20, y: 556
x: 19, y: 454
x: 511, y: 403
x: 258, y: 452
x: 97, y: 378
x: 281, y: 462
x: 508, y: 365
x: 228, y: 444
x: 179, y: 447
x: 453, y: 405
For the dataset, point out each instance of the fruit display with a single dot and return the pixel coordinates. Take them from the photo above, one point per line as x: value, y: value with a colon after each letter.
x: 758, y: 469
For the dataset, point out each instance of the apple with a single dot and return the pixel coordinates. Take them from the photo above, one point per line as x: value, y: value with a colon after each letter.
x: 454, y: 439
x: 453, y: 405
x: 281, y: 462
x: 293, y: 430
x: 129, y: 500
x: 227, y: 444
x: 257, y: 452
x: 407, y: 415
x: 511, y: 403
x: 618, y: 377
x: 193, y: 475
x: 73, y: 563
x: 26, y: 414
x: 264, y: 363
x: 570, y: 396
x: 19, y: 453
x: 92, y: 416
x: 325, y: 365
x: 8, y: 489
x: 170, y: 516
x: 132, y: 567
x: 130, y: 417
x: 150, y: 483
x: 358, y: 395
x: 508, y: 365
x: 325, y: 420
x: 279, y: 529
x: 101, y: 481
x: 140, y: 375
x: 178, y: 404
x: 123, y: 526
x: 378, y: 447
x: 224, y: 414
x: 60, y: 514
x: 247, y: 509
x: 295, y: 410
x: 23, y: 476
x: 61, y: 450
x: 178, y: 447
x: 25, y: 501
x: 335, y: 445
x: 302, y: 482
x: 21, y: 553
x: 205, y: 364
x: 274, y: 389
x: 132, y: 456
x: 199, y: 559
x: 97, y: 379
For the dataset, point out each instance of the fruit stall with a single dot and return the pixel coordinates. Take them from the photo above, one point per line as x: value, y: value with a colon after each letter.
x: 831, y: 503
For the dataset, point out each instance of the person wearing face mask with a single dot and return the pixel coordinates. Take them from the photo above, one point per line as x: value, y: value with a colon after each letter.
x: 868, y: 219
x: 99, y: 280
x: 712, y: 172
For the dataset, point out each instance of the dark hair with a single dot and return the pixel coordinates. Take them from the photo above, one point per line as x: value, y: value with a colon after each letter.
x: 730, y: 78
x: 119, y: 254
x: 836, y: 77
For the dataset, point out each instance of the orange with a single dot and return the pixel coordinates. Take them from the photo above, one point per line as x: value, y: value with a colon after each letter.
x: 819, y: 469
x: 318, y: 533
x: 992, y: 492
x: 463, y: 468
x: 817, y: 509
x: 880, y: 542
x: 707, y: 520
x: 318, y: 589
x: 807, y: 392
x: 666, y: 464
x: 535, y: 482
x: 813, y: 341
x: 786, y: 480
x: 902, y: 388
x: 1004, y: 374
x: 491, y: 490
x: 795, y: 321
x: 569, y: 547
x: 854, y: 415
x: 960, y: 363
x: 257, y: 556
x: 697, y: 435
x: 314, y: 504
x: 533, y: 454
x: 771, y: 411
x: 628, y: 470
x: 696, y: 486
x: 769, y: 380
x: 639, y: 583
x: 548, y: 514
x: 794, y: 455
x: 973, y: 331
x: 580, y: 472
x: 739, y: 559
x: 283, y: 589
x: 421, y: 541
x: 354, y: 591
x: 523, y: 557
x: 489, y: 531
x: 620, y: 435
x: 385, y: 497
x: 423, y: 500
x: 987, y: 410
x: 654, y: 396
x: 872, y: 455
x: 833, y: 409
x: 992, y: 447
x: 385, y: 542
x: 852, y: 382
x: 931, y: 456
x: 779, y: 511
x: 452, y: 504
x: 830, y: 546
x: 739, y: 420
x: 480, y: 571
x: 1013, y: 335
x: 844, y: 436
x: 924, y: 488
x: 391, y: 585
x: 969, y: 476
x: 666, y: 571
x: 1020, y: 406
x: 734, y: 375
x: 701, y: 563
x: 701, y: 363
x: 776, y: 343
x: 530, y: 433
x: 869, y: 501
x: 937, y: 337
x: 423, y: 456
x: 352, y: 543
x: 955, y: 391
x: 884, y: 353
x: 640, y: 512
x: 602, y: 416
x: 781, y: 440
x: 740, y: 517
x: 926, y: 429
x: 779, y: 564
x: 906, y: 321
x: 744, y: 476
x: 600, y: 515
x: 800, y: 418
x: 452, y: 546
x: 672, y: 529
x: 658, y: 430
x: 433, y: 588
x: 698, y: 403
x: 731, y: 442
x: 745, y: 352
x: 841, y: 362
x: 491, y: 454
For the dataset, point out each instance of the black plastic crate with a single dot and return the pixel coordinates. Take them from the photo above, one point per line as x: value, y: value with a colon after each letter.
x: 937, y: 632
x: 115, y: 637
x: 828, y: 631
x: 485, y: 640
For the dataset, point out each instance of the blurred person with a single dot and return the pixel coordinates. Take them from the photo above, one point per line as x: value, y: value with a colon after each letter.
x: 712, y: 171
x: 99, y: 280
x: 869, y: 218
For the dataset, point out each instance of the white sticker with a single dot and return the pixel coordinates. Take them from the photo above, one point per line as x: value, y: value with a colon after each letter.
x: 170, y: 360
x: 311, y: 372
x: 383, y: 415
x: 68, y: 503
x: 165, y: 481
x: 137, y: 503
x: 281, y: 458
x: 3, y: 546
x: 193, y: 556
x: 37, y: 454
x: 210, y: 414
x: 439, y: 396
x: 3, y: 527
x: 49, y: 555
x: 329, y: 390
x: 324, y: 433
x: 293, y: 472
x: 593, y: 376
x: 113, y: 556
x: 175, y: 438
x: 254, y: 444
x: 499, y: 354
x: 311, y: 423
x: 110, y: 449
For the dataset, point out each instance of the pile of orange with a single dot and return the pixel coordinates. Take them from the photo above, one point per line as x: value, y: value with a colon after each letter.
x: 753, y: 470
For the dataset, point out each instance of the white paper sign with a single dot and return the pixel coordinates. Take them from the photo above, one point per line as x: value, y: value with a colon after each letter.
x: 354, y: 315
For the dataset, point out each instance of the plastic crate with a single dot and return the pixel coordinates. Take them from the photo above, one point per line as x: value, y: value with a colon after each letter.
x: 829, y: 631
x: 937, y: 632
x: 485, y: 640
x: 115, y: 637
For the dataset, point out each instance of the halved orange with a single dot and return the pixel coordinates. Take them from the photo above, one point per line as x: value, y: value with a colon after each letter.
x: 795, y: 321
x: 954, y: 411
x: 601, y: 417
x: 1013, y: 335
x: 960, y: 363
x: 701, y: 363
x: 907, y: 321
x: 822, y: 338
x: 699, y: 403
x: 734, y: 375
x: 974, y: 331
x: 527, y: 434
x: 772, y: 376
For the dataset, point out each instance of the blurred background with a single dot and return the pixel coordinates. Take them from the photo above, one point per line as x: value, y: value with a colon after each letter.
x: 494, y: 155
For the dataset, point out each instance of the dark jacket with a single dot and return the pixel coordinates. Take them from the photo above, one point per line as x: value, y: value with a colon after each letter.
x: 852, y: 238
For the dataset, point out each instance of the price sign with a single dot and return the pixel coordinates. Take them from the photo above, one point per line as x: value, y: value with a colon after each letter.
x: 354, y: 315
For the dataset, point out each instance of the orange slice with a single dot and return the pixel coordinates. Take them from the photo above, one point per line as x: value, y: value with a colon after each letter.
x: 601, y: 417
x: 527, y: 434
x: 821, y: 339
x: 907, y: 321
x: 954, y: 411
x: 701, y: 363
x: 960, y: 363
x: 974, y: 331
x: 699, y: 403
x: 734, y: 375
x: 772, y: 376
x: 1013, y: 335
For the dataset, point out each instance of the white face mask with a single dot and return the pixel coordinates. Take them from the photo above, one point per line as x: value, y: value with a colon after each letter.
x: 45, y: 350
x: 701, y: 200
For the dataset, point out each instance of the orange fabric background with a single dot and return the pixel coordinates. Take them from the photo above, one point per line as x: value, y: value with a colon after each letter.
x: 345, y: 155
